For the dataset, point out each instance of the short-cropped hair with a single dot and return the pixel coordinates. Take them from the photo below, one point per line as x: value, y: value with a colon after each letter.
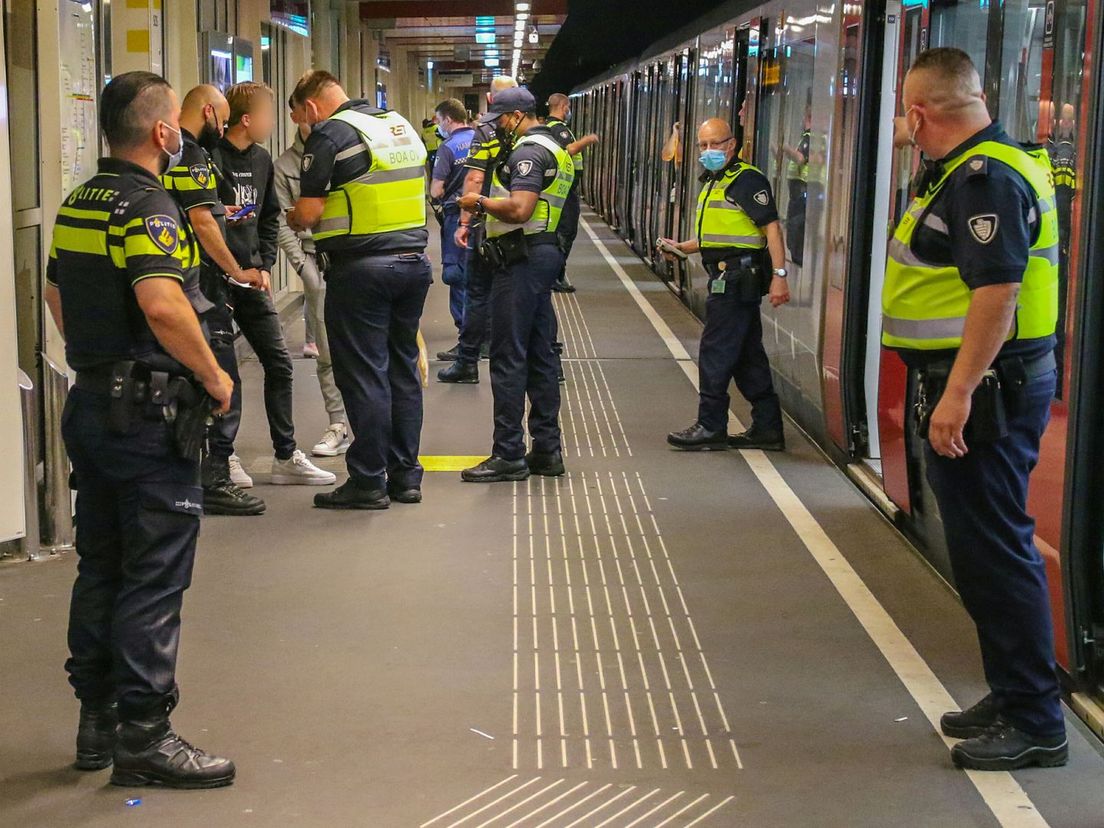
x: 130, y: 105
x: 952, y: 68
x: 453, y: 110
x: 311, y: 84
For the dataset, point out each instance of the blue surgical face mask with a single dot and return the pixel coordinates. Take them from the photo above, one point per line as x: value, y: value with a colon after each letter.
x: 713, y: 159
x: 442, y: 132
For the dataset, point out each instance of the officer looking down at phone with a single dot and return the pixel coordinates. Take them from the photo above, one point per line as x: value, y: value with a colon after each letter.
x: 522, y: 214
x: 738, y: 234
x: 970, y: 303
x: 123, y: 288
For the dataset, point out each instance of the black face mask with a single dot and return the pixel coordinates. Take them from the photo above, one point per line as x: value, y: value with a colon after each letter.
x: 209, y: 136
x: 505, y: 136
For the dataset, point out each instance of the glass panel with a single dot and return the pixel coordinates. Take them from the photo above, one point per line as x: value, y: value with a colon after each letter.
x: 1021, y: 67
x: 964, y: 25
x: 28, y: 297
x: 20, y: 35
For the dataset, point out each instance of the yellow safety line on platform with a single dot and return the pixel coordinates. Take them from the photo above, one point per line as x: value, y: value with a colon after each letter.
x: 450, y: 463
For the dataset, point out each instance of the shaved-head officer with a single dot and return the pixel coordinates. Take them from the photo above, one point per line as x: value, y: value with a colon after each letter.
x: 738, y: 230
x: 121, y: 288
x: 970, y: 302
x: 194, y: 184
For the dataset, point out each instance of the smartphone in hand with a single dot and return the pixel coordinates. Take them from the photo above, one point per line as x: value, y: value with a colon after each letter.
x: 242, y: 213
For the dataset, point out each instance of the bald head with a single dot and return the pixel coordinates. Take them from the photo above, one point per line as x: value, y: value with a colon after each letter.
x: 200, y: 96
x: 204, y: 113
x: 715, y: 130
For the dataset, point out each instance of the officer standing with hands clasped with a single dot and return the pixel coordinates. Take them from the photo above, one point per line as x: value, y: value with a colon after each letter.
x: 970, y: 302
x: 123, y: 288
x: 527, y: 197
x: 362, y: 191
x: 737, y: 222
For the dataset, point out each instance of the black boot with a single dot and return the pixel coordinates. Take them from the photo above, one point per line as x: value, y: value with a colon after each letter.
x: 495, y: 470
x: 221, y: 496
x: 96, y: 735
x: 561, y: 285
x: 761, y: 439
x: 1004, y: 748
x: 546, y: 464
x: 460, y: 373
x: 698, y: 438
x: 150, y: 753
x: 405, y: 494
x: 971, y: 722
x: 451, y: 355
x: 349, y: 495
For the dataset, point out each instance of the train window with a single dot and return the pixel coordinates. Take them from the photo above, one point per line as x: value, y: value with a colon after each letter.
x: 965, y: 25
x: 1021, y: 67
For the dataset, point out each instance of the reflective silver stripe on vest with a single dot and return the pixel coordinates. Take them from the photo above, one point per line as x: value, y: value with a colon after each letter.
x: 936, y: 223
x: 554, y: 200
x: 335, y: 223
x: 949, y: 327
x: 351, y: 152
x: 390, y: 176
x: 743, y: 241
x: 722, y: 204
x: 1048, y: 253
x: 903, y: 255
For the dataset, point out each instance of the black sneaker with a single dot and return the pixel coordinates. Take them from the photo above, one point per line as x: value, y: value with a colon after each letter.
x: 225, y: 498
x: 459, y: 373
x: 451, y: 355
x: 762, y: 440
x: 150, y: 753
x: 405, y: 494
x: 351, y: 496
x: 974, y: 721
x: 1004, y: 748
x: 96, y: 735
x: 496, y: 470
x: 561, y: 285
x: 698, y: 438
x: 545, y: 464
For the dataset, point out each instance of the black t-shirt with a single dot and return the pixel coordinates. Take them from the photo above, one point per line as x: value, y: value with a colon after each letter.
x: 982, y: 221
x: 322, y: 170
x: 130, y: 230
x: 752, y: 193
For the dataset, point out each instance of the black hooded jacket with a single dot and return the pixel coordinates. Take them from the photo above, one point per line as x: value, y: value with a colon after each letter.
x: 247, y: 178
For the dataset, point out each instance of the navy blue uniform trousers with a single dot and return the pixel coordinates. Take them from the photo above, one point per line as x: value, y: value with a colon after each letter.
x: 373, y: 308
x: 477, y: 306
x: 568, y: 228
x: 223, y: 432
x: 732, y: 349
x: 138, y: 510
x: 997, y: 569
x: 453, y: 265
x: 522, y: 361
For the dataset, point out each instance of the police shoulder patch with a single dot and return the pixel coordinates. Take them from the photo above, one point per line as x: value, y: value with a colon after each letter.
x: 977, y: 167
x: 307, y: 161
x: 164, y: 232
x: 762, y: 198
x: 201, y: 174
x: 983, y: 227
x: 524, y: 167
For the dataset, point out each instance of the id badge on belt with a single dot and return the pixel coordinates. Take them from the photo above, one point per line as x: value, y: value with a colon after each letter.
x: 719, y: 284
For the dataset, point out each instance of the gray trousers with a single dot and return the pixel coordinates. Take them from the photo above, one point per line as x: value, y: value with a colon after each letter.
x: 314, y: 294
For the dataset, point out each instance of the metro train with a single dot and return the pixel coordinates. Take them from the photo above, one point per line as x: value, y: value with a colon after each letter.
x: 812, y: 89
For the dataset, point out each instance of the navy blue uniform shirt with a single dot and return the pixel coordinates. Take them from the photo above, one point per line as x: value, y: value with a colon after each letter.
x: 450, y: 163
x: 1002, y: 197
x: 322, y: 171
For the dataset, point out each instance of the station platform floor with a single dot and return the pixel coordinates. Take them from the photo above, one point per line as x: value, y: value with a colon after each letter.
x: 658, y: 639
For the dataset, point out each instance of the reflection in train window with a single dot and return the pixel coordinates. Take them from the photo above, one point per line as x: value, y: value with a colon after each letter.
x: 964, y: 25
x: 1021, y: 67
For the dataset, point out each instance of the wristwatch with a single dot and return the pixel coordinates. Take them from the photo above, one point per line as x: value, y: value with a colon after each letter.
x: 780, y: 272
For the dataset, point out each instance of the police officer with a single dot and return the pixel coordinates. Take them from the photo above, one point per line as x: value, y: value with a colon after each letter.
x: 737, y: 223
x: 559, y: 114
x: 484, y: 154
x: 121, y: 254
x: 363, y: 193
x: 970, y: 300
x: 193, y: 183
x: 523, y: 212
x: 797, y: 185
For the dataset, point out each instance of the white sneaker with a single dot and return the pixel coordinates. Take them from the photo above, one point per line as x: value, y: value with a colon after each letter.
x: 297, y: 470
x: 335, y: 441
x: 238, y: 476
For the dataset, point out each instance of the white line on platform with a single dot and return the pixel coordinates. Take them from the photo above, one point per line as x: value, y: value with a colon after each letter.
x: 455, y: 808
x: 1000, y: 791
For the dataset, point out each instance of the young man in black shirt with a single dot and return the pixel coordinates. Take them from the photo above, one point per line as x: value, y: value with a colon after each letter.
x: 248, y: 180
